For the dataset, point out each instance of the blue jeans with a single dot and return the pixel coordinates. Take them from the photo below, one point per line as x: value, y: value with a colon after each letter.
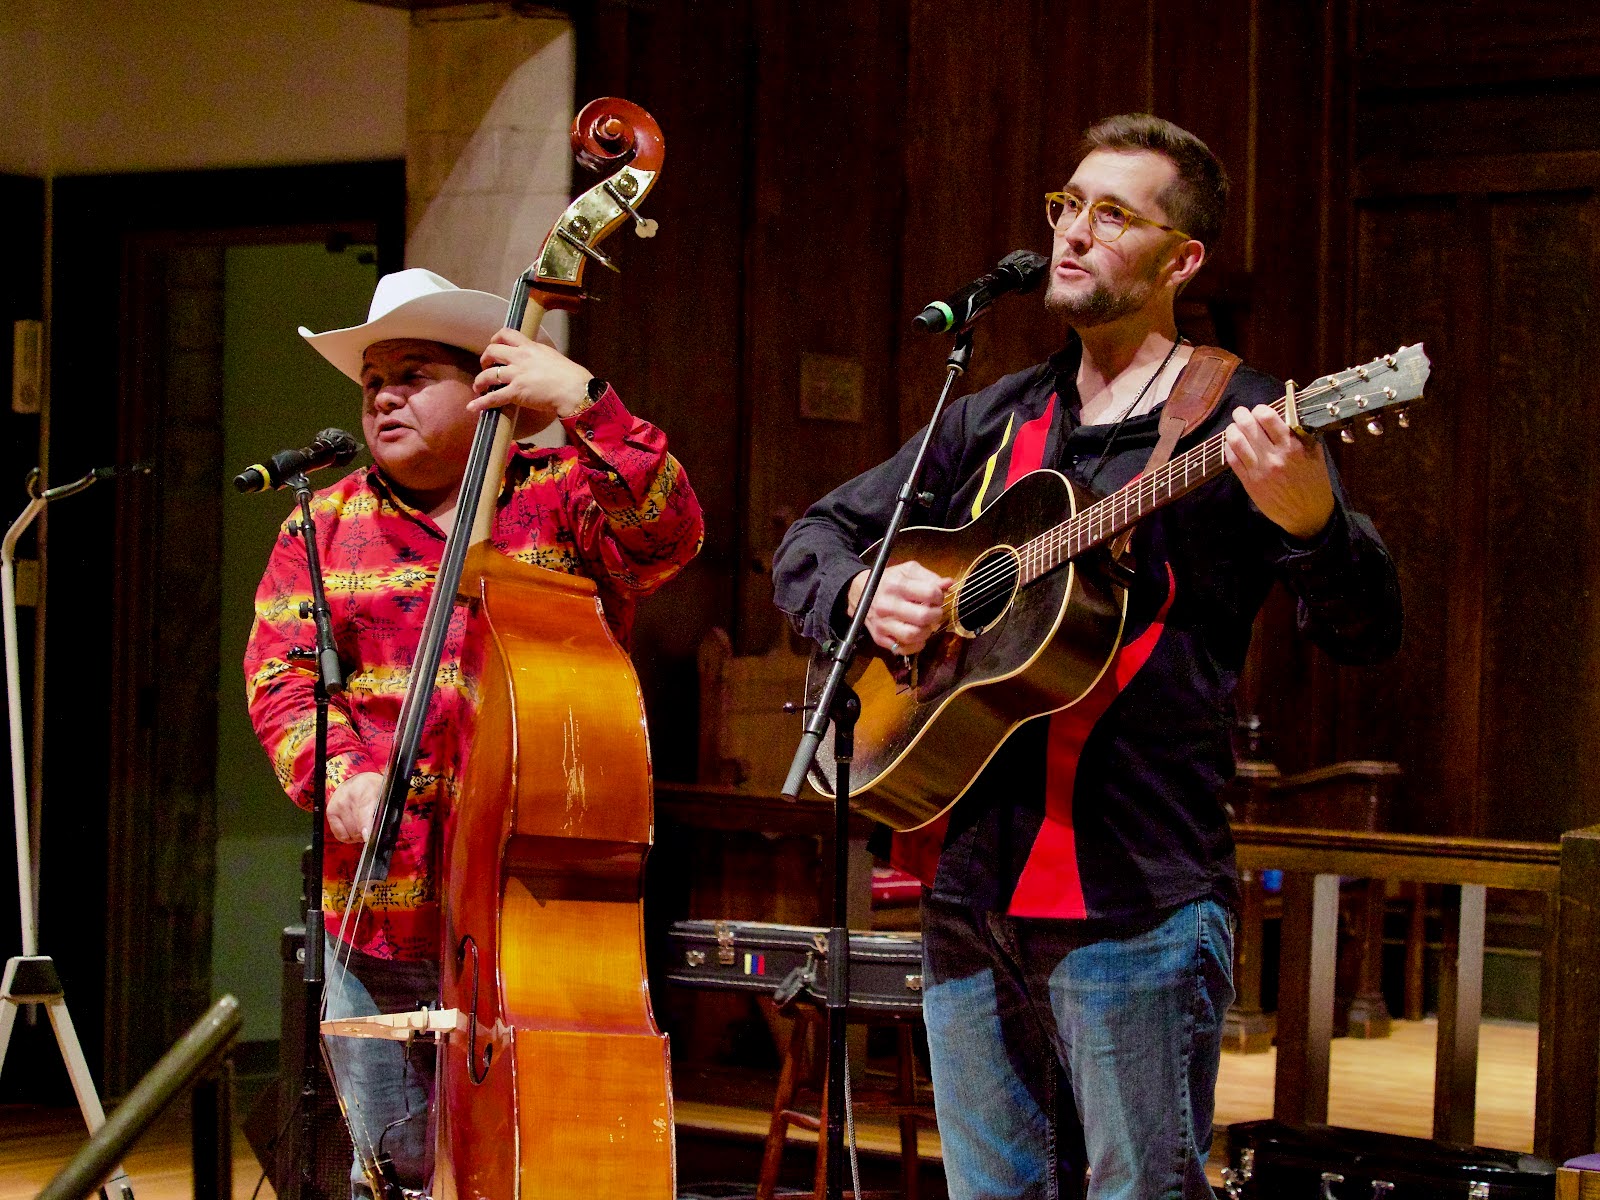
x: 385, y: 1088
x: 1057, y: 1053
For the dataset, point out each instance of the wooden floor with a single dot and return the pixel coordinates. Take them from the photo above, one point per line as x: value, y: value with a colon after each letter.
x: 1385, y: 1084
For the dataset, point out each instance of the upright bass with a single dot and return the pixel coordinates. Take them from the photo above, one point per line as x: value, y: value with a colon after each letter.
x: 553, y: 1079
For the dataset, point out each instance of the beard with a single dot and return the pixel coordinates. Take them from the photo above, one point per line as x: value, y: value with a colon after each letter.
x: 1104, y: 302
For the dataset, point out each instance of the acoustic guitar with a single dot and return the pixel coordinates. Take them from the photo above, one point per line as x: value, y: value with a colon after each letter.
x: 1027, y: 629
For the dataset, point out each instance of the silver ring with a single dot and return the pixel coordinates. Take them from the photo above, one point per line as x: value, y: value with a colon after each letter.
x: 894, y: 648
x: 497, y: 369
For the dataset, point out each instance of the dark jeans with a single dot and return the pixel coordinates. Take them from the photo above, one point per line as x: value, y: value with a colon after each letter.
x: 1056, y: 1054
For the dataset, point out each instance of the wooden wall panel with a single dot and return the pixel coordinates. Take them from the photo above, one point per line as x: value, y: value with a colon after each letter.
x: 1541, y: 553
x: 1212, y: 96
x: 668, y: 331
x: 1484, y: 117
x: 825, y: 189
x: 1556, y: 115
x: 1420, y: 710
x: 986, y: 136
x: 1473, y: 43
x: 1489, y: 507
x: 162, y: 825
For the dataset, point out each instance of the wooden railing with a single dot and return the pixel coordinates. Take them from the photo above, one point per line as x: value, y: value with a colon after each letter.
x: 1567, y: 874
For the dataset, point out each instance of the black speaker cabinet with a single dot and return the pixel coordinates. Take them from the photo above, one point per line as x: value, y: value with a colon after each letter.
x: 273, y: 1126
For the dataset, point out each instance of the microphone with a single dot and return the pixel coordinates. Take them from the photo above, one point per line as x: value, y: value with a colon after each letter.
x: 1019, y: 271
x: 330, y: 448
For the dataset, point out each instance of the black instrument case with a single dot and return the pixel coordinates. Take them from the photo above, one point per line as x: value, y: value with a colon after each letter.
x: 1269, y: 1160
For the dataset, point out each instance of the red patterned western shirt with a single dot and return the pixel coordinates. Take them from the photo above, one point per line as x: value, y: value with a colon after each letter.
x: 611, y: 505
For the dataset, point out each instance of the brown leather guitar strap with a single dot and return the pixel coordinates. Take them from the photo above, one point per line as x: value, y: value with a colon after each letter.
x: 1194, y: 398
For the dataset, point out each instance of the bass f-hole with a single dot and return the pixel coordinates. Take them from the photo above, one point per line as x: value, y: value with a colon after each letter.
x: 477, y: 1064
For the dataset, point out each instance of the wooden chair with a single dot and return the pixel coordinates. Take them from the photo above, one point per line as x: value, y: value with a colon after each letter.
x: 906, y: 1099
x: 1355, y: 795
x: 1579, y: 1178
x: 746, y: 739
x: 746, y: 742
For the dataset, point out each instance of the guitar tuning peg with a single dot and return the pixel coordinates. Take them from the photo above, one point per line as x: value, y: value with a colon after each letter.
x: 1375, y: 427
x: 1403, y: 418
x: 1347, y: 436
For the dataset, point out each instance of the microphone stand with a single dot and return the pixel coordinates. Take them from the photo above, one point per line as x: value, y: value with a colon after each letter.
x: 837, y: 704
x: 330, y: 680
x: 30, y: 977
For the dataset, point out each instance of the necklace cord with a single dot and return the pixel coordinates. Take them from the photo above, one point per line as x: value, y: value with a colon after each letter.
x: 1116, y: 428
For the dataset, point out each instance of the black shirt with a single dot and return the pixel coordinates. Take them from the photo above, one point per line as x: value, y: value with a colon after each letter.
x: 1109, y: 811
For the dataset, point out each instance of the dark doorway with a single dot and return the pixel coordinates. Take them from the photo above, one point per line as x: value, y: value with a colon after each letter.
x: 134, y: 594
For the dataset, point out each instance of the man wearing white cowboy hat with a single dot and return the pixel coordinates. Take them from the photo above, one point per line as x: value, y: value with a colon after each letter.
x: 591, y: 490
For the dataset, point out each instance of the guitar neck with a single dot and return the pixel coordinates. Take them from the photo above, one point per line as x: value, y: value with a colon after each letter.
x: 1126, y: 506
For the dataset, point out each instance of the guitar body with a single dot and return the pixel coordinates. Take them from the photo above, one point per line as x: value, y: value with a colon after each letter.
x: 930, y: 723
x: 563, y: 1089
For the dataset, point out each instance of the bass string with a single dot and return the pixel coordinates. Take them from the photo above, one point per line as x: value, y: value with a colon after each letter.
x: 441, y: 606
x: 1105, y: 518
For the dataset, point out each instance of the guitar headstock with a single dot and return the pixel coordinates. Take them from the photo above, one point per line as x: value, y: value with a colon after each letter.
x: 1364, y: 394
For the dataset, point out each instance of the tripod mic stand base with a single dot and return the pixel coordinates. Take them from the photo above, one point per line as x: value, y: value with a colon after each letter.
x: 32, y: 979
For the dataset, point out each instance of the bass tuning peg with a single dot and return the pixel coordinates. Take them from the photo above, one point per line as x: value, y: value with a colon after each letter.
x: 624, y: 190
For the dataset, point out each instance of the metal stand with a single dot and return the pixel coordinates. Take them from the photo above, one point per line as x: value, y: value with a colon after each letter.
x: 838, y: 705
x: 31, y: 977
x: 330, y: 680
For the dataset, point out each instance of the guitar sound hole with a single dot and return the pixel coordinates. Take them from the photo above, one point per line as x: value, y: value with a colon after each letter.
x: 985, y: 591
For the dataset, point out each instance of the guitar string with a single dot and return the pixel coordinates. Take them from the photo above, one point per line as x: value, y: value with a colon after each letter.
x: 1040, y: 555
x: 1101, y: 520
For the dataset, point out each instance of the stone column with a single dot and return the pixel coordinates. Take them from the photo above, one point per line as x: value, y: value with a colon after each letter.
x: 489, y: 101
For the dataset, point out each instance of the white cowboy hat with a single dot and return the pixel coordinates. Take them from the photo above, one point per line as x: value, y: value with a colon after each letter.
x: 414, y: 303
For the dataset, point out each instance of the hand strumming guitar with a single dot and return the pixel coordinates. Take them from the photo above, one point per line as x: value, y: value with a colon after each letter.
x: 907, y: 607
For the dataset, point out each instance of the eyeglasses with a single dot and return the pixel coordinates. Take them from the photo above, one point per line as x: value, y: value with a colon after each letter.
x: 1107, y: 220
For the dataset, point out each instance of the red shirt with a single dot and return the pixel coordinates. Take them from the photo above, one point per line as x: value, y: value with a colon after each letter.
x: 612, y: 505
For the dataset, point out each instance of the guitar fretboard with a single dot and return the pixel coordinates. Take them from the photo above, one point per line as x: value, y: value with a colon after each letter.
x: 1106, y: 518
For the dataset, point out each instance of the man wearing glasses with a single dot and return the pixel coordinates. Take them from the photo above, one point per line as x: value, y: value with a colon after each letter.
x: 1077, y: 921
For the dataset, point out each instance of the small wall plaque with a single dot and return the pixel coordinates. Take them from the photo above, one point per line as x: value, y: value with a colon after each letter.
x: 830, y: 387
x: 27, y: 366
